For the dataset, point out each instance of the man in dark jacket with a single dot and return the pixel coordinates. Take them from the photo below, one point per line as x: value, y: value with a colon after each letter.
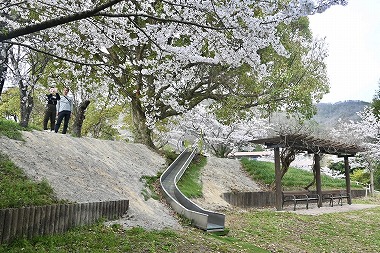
x: 51, y: 108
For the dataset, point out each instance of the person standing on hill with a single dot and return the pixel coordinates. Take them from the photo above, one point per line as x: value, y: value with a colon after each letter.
x: 51, y: 110
x: 64, y: 109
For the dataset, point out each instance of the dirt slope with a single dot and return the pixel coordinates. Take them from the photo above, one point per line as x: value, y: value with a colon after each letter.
x: 87, y: 169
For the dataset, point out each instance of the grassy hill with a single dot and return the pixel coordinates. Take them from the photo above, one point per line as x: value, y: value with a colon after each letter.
x: 294, y: 179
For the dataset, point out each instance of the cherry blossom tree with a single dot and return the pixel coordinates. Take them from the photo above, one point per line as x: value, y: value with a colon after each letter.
x: 217, y: 136
x: 167, y: 57
x: 27, y: 68
x: 16, y: 17
x: 365, y: 133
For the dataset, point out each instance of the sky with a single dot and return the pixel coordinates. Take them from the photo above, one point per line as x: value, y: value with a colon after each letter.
x: 352, y: 35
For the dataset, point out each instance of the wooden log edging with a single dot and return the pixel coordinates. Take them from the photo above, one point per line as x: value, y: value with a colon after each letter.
x: 28, y: 222
x: 250, y: 199
x: 263, y: 199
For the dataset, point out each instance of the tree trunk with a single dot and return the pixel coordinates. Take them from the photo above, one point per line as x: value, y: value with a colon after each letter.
x: 3, y: 65
x: 142, y: 133
x: 287, y: 157
x: 372, y: 181
x: 3, y: 70
x: 314, y: 178
x: 26, y: 104
x: 79, y: 118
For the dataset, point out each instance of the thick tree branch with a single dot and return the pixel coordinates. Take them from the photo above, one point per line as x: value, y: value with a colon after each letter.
x: 55, y: 22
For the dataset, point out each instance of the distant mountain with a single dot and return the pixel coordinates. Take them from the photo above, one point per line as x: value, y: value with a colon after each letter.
x: 328, y: 114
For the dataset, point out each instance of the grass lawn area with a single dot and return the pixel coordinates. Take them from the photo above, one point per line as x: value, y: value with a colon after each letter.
x: 251, y: 230
x: 355, y: 231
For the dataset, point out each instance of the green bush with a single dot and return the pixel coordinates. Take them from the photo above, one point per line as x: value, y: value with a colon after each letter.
x: 361, y: 176
x: 337, y: 166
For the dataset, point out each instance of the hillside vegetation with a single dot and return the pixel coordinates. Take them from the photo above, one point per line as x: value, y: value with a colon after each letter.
x: 328, y: 114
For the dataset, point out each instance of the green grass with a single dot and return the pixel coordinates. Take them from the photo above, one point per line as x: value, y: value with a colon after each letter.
x: 254, y: 230
x: 11, y: 129
x: 16, y: 190
x: 99, y: 238
x: 294, y: 179
x: 354, y: 231
x: 190, y: 184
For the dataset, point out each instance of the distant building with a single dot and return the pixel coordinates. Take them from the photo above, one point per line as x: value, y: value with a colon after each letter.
x: 250, y: 155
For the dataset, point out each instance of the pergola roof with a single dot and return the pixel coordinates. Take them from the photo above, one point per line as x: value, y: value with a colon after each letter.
x: 310, y: 144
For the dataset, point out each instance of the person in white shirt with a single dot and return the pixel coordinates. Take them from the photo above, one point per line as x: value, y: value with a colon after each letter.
x: 64, y: 109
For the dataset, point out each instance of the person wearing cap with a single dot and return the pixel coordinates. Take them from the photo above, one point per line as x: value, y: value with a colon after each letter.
x: 50, y: 110
x: 64, y: 108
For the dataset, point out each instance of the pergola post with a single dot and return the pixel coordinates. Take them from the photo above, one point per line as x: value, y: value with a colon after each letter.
x: 348, y: 181
x: 277, y: 167
x: 317, y: 167
x: 314, y: 146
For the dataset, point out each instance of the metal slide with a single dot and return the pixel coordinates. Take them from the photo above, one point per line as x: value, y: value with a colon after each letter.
x: 207, y: 220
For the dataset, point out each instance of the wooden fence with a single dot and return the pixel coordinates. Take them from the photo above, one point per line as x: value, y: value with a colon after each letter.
x: 264, y: 199
x: 28, y: 222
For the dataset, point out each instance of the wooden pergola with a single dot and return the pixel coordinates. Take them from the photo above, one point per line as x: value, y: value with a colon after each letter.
x: 314, y: 146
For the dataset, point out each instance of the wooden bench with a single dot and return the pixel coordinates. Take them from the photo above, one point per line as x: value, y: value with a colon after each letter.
x: 299, y: 196
x: 331, y: 195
